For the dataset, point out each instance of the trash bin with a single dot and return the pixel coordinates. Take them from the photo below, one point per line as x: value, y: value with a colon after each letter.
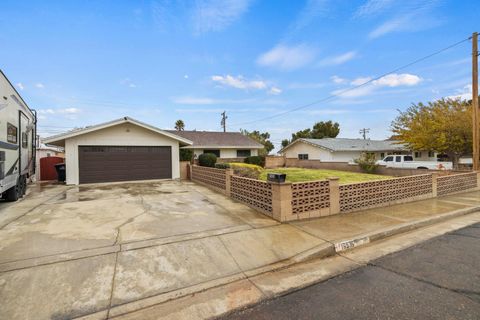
x: 276, y: 177
x: 60, y: 168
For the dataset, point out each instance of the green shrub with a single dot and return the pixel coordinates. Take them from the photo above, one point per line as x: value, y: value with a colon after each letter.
x: 186, y: 154
x: 257, y: 160
x: 222, y: 165
x: 207, y: 160
x: 246, y: 170
x: 367, y: 162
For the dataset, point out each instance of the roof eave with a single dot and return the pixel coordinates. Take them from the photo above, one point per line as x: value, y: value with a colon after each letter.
x: 60, y: 139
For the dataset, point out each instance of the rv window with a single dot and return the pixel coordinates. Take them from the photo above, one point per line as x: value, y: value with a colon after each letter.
x: 24, y: 140
x: 11, y: 133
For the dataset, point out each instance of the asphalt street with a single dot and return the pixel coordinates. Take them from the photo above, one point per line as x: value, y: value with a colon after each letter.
x: 437, y: 279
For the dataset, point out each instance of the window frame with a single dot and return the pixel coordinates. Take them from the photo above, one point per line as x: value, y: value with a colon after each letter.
x: 24, y: 140
x: 249, y: 151
x: 303, y: 156
x: 10, y: 135
x: 214, y: 151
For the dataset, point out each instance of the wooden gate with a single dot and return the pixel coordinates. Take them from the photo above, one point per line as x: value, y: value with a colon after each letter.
x: 47, y: 167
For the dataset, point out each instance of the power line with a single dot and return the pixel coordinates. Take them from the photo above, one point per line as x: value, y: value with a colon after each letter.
x: 339, y: 93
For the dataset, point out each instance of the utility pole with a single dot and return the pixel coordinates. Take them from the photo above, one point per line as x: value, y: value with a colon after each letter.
x: 475, y: 111
x: 364, y: 132
x: 223, y: 123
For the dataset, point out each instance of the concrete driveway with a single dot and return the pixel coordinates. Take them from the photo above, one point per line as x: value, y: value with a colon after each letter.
x: 106, y: 250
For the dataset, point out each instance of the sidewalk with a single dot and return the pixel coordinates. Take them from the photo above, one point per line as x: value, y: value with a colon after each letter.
x: 121, y: 278
x: 264, y: 250
x: 223, y: 300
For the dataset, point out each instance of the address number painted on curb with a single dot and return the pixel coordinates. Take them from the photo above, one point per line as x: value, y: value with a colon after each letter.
x: 349, y: 244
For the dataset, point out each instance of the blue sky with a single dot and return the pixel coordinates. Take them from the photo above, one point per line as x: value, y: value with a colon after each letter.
x: 84, y: 62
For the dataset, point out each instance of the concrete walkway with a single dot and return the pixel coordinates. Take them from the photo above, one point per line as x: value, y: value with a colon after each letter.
x: 108, y: 250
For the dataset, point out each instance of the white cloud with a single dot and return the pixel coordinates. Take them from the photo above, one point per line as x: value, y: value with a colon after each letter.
x: 287, y: 57
x: 20, y: 86
x: 395, y: 80
x: 311, y: 10
x: 339, y: 59
x: 275, y: 90
x: 337, y: 79
x: 39, y: 85
x: 372, y: 7
x: 360, y: 81
x: 188, y: 100
x: 129, y: 83
x: 46, y: 111
x: 69, y: 110
x: 394, y: 25
x: 391, y: 81
x: 239, y: 82
x: 216, y: 15
x: 463, y: 94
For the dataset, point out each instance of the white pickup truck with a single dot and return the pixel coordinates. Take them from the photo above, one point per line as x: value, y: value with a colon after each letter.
x: 406, y: 161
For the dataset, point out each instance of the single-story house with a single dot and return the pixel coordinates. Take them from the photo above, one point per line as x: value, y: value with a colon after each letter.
x: 120, y: 150
x: 225, y: 145
x: 347, y: 150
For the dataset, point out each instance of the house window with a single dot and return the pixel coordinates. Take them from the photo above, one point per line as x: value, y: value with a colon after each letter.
x: 24, y: 140
x: 382, y: 155
x: 418, y: 154
x: 243, y: 153
x: 303, y: 156
x: 215, y: 152
x: 431, y: 154
x: 49, y: 154
x: 11, y: 133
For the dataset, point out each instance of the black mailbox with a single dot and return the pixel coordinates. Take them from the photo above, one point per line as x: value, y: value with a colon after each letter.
x: 276, y: 177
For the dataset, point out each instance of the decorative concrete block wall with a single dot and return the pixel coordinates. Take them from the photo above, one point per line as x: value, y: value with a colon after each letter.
x: 305, y: 200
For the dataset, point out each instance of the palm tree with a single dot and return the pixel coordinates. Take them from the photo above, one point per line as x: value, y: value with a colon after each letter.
x: 179, y: 125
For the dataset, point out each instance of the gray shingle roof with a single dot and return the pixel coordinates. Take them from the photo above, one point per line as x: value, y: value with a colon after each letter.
x: 342, y: 144
x: 218, y: 139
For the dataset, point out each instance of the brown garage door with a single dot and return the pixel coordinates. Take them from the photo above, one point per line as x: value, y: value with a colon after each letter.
x: 123, y: 163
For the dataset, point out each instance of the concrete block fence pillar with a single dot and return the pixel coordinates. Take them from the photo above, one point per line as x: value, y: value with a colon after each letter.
x: 435, y: 176
x: 478, y: 179
x: 228, y: 181
x: 189, y: 171
x: 334, y: 195
x: 281, y: 201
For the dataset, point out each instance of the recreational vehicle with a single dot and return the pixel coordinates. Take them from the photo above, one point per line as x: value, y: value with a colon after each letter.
x: 17, y: 142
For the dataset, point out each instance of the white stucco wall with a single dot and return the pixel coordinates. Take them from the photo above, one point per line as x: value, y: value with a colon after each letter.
x: 316, y: 153
x: 225, y: 153
x: 121, y: 135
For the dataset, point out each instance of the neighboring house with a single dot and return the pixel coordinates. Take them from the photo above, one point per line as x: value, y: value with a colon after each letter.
x: 347, y: 150
x: 225, y: 145
x: 120, y: 150
x: 46, y: 151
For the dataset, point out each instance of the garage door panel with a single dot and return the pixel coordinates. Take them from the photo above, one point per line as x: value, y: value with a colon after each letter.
x: 124, y: 163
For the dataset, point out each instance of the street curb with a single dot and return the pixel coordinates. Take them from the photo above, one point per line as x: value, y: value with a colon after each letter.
x: 369, y: 237
x: 321, y: 251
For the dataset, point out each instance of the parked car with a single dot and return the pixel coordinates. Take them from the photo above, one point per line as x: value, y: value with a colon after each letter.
x: 406, y: 161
